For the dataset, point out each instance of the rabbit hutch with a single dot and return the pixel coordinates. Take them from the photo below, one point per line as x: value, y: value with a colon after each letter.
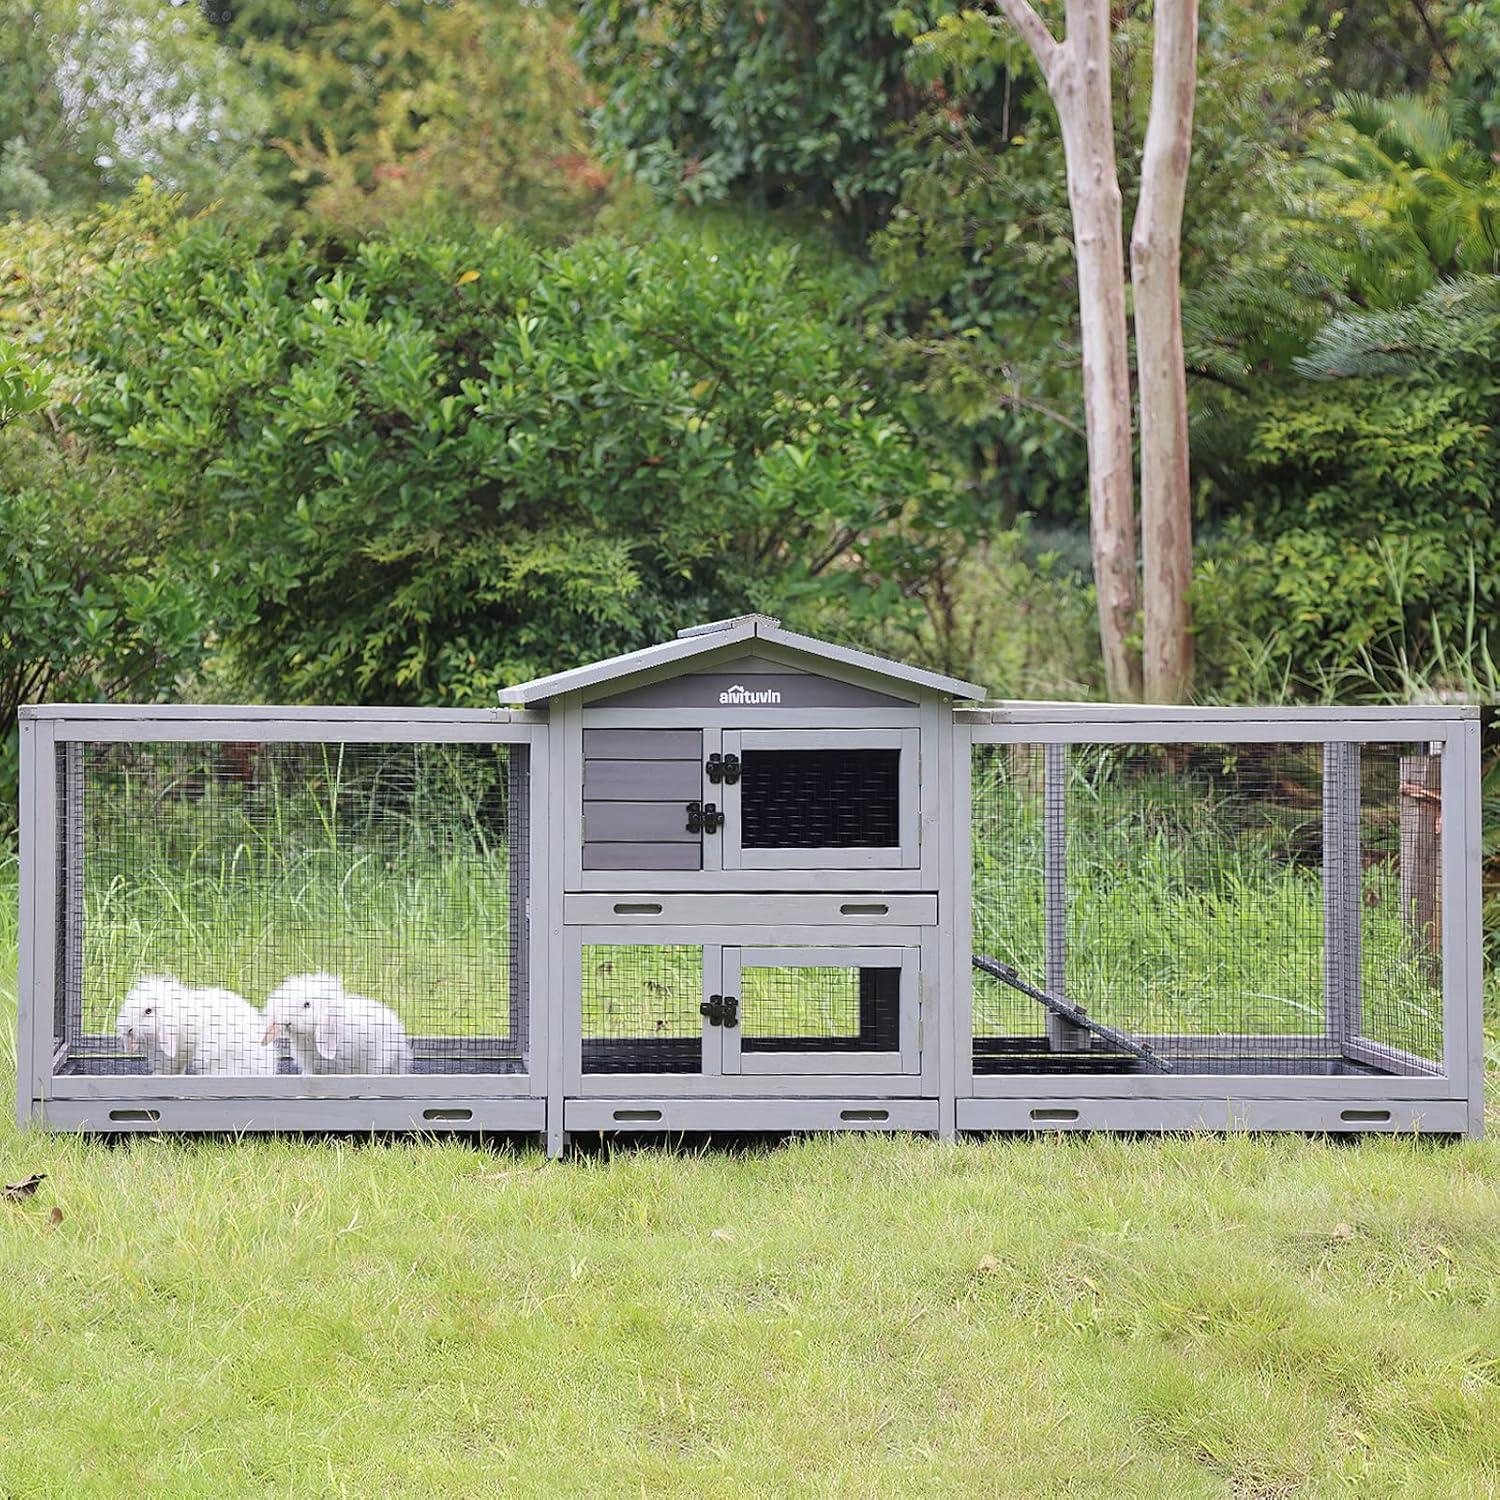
x: 747, y: 880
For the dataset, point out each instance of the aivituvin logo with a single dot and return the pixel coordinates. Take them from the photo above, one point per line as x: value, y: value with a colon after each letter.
x: 740, y: 694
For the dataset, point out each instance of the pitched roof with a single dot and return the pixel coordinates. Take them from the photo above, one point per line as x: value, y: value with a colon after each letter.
x: 714, y: 636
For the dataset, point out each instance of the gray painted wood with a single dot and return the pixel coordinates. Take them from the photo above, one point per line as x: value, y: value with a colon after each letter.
x: 637, y: 822
x: 457, y: 1114
x: 643, y: 744
x: 1152, y: 1112
x: 642, y: 780
x: 32, y: 849
x: 715, y: 643
x: 751, y: 691
x: 1353, y: 1090
x: 866, y: 915
x: 642, y: 856
x: 665, y: 1113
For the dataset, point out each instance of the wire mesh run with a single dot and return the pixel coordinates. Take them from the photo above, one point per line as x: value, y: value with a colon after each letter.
x: 820, y: 799
x: 1239, y: 908
x: 641, y: 1008
x: 834, y: 1008
x: 249, y: 909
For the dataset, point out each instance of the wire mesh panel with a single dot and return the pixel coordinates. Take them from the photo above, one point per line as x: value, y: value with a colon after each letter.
x: 641, y: 1008
x: 250, y: 908
x: 819, y: 1008
x: 1248, y: 907
x: 1009, y: 897
x: 849, y: 798
x: 1196, y: 903
x: 1398, y: 1007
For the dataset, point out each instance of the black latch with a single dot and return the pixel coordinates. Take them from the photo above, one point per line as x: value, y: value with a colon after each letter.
x: 704, y: 817
x: 723, y: 768
x: 721, y: 1010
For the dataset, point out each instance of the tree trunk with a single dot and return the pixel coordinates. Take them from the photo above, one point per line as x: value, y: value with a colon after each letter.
x: 1077, y: 71
x: 1155, y: 260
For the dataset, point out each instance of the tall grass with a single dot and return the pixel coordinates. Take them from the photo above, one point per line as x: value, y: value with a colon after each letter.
x: 1195, y: 895
x: 1191, y: 909
x: 340, y: 858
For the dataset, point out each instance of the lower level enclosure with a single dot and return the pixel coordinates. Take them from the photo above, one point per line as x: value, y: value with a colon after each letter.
x: 1070, y: 918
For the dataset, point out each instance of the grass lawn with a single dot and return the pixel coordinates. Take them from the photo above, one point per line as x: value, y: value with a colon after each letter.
x: 861, y: 1316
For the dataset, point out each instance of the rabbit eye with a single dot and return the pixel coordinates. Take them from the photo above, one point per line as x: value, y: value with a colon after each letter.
x: 149, y: 1011
x: 306, y: 1005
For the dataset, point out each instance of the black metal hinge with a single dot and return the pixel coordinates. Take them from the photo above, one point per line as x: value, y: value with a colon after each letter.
x: 704, y: 817
x: 723, y: 768
x: 721, y: 1010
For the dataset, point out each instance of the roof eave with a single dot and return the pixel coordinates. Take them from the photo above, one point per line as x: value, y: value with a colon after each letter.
x: 702, y: 640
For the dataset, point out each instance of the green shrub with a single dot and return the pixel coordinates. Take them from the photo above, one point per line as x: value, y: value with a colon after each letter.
x: 434, y: 465
x: 1365, y: 550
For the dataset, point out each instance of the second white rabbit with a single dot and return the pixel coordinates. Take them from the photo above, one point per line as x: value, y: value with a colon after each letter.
x: 331, y: 1030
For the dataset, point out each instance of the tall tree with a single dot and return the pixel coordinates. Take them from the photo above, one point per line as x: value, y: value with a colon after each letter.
x: 1077, y: 71
x: 1077, y: 74
x: 1161, y: 373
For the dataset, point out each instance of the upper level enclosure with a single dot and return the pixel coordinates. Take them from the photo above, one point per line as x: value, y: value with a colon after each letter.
x: 744, y: 757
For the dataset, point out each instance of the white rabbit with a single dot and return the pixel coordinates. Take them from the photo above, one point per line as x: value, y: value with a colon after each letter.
x: 183, y: 1030
x: 332, y: 1031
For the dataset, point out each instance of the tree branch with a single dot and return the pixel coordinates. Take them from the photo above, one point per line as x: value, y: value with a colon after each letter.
x: 1033, y: 31
x: 1433, y: 35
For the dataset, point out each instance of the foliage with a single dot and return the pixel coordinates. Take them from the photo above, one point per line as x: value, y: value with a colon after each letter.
x: 90, y: 605
x: 383, y: 111
x: 444, y: 464
x: 98, y: 95
x: 1423, y: 200
x: 978, y: 255
x: 23, y: 387
x: 1372, y: 544
x: 84, y: 615
x: 1474, y: 88
x: 787, y: 103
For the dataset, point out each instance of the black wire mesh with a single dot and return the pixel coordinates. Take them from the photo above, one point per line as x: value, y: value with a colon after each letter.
x: 372, y: 896
x: 640, y: 1007
x: 1212, y: 900
x: 820, y: 799
x: 822, y: 1008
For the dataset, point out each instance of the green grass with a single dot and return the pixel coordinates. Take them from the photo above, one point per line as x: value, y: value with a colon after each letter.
x: 1192, y: 908
x: 1195, y: 895
x: 374, y: 866
x: 859, y: 1316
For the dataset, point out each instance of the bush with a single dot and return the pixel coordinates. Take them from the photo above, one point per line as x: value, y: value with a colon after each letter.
x: 1366, y: 550
x: 435, y: 465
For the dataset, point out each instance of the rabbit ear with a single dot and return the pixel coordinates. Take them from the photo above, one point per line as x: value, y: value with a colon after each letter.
x: 326, y: 1034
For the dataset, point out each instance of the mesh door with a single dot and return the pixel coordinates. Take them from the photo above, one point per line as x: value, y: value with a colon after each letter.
x: 820, y: 799
x: 640, y: 1005
x: 833, y: 1008
x: 1394, y: 999
x: 381, y: 889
